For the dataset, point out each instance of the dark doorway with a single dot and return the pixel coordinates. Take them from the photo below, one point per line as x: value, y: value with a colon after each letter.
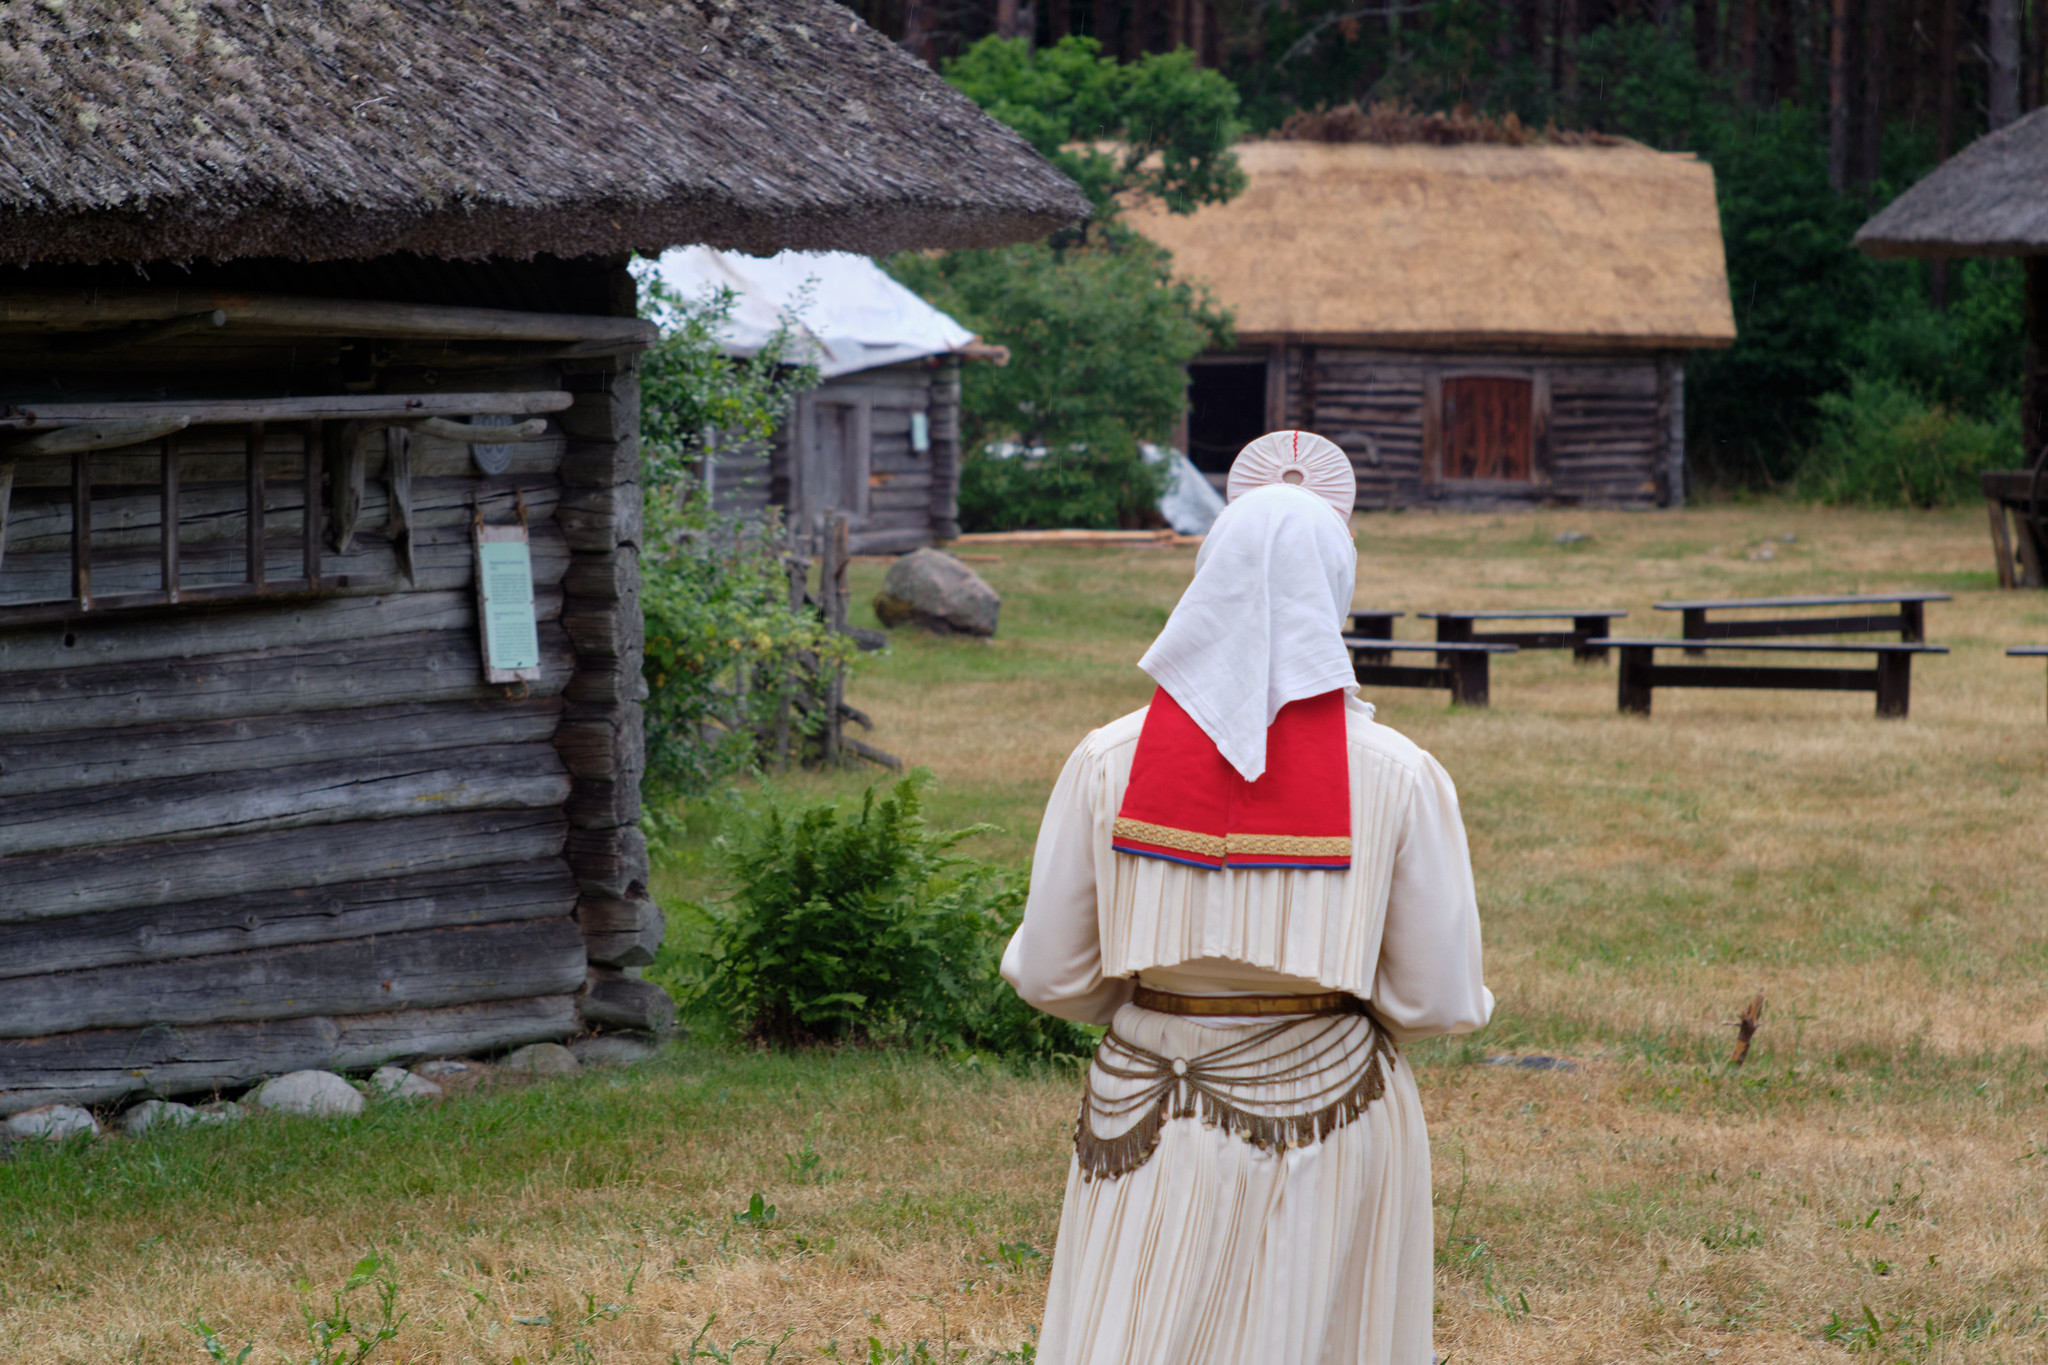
x: 1487, y: 429
x: 1226, y: 411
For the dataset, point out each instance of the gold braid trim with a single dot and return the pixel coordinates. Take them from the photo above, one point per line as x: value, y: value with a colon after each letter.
x: 1184, y: 1095
x: 1291, y: 845
x: 1166, y: 836
x: 1211, y: 846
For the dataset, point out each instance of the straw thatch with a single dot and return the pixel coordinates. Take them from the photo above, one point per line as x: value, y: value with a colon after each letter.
x: 1571, y: 247
x: 135, y: 130
x: 1990, y: 199
x: 1392, y: 123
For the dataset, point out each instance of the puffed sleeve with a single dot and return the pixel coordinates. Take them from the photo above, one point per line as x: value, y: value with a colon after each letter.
x: 1055, y: 958
x: 1429, y: 980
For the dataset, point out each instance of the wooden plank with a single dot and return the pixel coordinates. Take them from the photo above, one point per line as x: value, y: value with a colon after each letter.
x: 287, y: 314
x: 539, y: 889
x: 46, y: 886
x: 338, y: 407
x: 111, y: 1064
x: 332, y: 675
x: 211, y: 457
x: 335, y: 790
x: 168, y: 518
x: 423, y: 969
x: 255, y: 514
x: 70, y: 760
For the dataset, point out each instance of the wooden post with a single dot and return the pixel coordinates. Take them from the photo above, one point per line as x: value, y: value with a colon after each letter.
x: 2033, y: 389
x: 81, y: 529
x: 167, y: 516
x: 312, y: 456
x: 1589, y: 628
x: 2001, y: 542
x: 1469, y: 670
x: 252, y: 451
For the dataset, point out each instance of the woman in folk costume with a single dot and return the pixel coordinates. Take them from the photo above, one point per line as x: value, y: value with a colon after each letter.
x: 1264, y: 894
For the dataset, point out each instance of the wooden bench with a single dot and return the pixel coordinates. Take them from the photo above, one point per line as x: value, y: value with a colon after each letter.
x: 1460, y: 668
x: 2027, y: 652
x: 1374, y: 625
x: 1908, y: 617
x: 1891, y: 679
x: 1587, y: 624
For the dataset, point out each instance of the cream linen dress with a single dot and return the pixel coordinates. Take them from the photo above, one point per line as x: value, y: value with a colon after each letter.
x: 1215, y: 1252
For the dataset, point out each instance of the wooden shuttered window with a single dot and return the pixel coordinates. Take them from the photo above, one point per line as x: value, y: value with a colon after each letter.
x: 1488, y: 428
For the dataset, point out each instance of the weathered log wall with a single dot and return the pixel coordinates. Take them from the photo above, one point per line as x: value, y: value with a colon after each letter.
x: 245, y: 837
x: 1608, y: 430
x: 848, y: 447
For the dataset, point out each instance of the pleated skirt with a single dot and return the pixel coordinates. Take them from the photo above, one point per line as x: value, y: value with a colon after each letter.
x: 1215, y: 1252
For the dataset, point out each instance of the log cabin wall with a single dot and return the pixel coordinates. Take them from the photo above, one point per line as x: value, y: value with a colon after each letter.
x: 851, y: 445
x: 296, y: 827
x: 1603, y: 430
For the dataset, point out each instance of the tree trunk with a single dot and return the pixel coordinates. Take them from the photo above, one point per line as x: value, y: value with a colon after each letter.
x: 1784, y: 52
x: 2033, y: 391
x: 1059, y: 18
x: 1838, y: 95
x: 1566, y: 58
x: 1873, y: 92
x: 1944, y: 130
x: 2002, y: 62
x: 1108, y: 28
x: 1747, y: 57
x: 917, y: 31
x: 1706, y: 34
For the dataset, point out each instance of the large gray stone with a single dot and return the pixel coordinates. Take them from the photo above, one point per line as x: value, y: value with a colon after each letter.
x: 612, y: 1049
x: 541, y: 1059
x: 157, y: 1114
x: 396, y: 1083
x: 932, y: 589
x: 318, y: 1094
x: 52, y: 1123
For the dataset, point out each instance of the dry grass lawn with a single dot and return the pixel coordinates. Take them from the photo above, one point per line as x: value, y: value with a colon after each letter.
x: 1867, y: 1186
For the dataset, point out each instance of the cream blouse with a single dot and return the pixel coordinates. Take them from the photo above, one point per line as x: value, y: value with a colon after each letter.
x: 1399, y: 927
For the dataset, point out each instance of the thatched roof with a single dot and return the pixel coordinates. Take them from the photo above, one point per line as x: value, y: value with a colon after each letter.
x: 1990, y: 199
x: 1576, y: 247
x: 336, y: 129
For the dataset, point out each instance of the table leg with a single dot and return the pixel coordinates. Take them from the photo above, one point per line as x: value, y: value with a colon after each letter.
x: 1451, y: 631
x: 1469, y: 678
x: 1587, y: 628
x: 1632, y: 680
x: 1376, y: 628
x: 1695, y: 628
x: 1894, y: 685
x: 1913, y: 622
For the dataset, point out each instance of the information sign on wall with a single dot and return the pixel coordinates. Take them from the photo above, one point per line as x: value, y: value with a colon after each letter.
x: 504, y: 579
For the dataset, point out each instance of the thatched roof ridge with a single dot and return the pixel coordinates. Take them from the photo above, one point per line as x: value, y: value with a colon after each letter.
x: 138, y: 130
x: 1582, y: 248
x: 1990, y: 199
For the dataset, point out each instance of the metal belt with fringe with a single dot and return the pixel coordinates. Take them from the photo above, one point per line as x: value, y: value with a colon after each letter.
x: 1336, y: 1062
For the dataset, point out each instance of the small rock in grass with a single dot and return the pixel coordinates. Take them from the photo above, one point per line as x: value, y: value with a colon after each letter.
x: 53, y: 1123
x: 1789, y: 538
x: 1534, y: 1063
x: 396, y: 1083
x: 612, y: 1049
x: 157, y: 1114
x: 542, y: 1059
x: 1760, y: 552
x: 318, y: 1094
x: 1569, y: 537
x: 220, y: 1111
x: 443, y: 1066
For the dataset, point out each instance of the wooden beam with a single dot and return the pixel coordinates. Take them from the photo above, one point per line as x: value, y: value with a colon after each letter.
x: 254, y: 501
x: 535, y: 430
x: 50, y: 886
x: 334, y: 407
x: 93, y: 436
x: 168, y: 518
x: 49, y: 309
x: 148, y: 333
x: 539, y: 889
x: 110, y: 1064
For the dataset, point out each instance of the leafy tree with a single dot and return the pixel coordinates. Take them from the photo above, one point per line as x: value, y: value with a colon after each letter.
x: 1098, y: 328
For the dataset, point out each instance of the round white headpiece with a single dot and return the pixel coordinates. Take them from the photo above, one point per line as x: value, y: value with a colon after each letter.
x: 1302, y: 458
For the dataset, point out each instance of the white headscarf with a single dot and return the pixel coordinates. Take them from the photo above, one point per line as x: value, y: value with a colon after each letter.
x: 1262, y: 623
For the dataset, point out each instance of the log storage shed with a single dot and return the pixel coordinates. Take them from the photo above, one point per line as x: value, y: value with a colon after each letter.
x: 307, y: 311
x: 877, y: 440
x: 1478, y: 325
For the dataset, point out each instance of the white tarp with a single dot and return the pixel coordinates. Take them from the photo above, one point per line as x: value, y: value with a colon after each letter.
x: 846, y: 312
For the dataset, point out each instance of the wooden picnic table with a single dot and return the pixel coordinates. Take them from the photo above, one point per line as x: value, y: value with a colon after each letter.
x: 1588, y: 623
x: 2027, y: 652
x: 1891, y: 679
x: 1908, y: 618
x: 1459, y: 668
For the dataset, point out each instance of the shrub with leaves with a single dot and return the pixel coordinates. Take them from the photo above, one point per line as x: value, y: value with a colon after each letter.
x: 725, y: 651
x: 1884, y: 445
x: 867, y: 927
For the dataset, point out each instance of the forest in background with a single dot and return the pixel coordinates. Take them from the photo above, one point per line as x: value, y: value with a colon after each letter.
x: 1852, y: 380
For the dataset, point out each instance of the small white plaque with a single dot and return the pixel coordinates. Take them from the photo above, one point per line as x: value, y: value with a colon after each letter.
x: 920, y: 432
x: 505, y: 576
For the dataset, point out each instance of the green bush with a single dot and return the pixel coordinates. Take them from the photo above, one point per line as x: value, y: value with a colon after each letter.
x: 1091, y: 487
x: 866, y: 928
x: 1884, y: 445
